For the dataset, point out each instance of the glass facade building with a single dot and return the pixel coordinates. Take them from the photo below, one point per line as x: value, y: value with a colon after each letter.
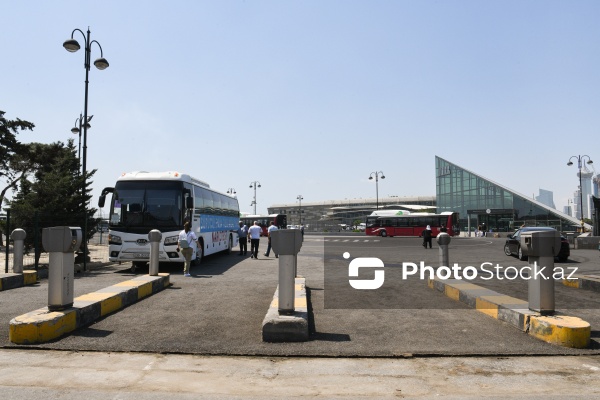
x: 483, y: 203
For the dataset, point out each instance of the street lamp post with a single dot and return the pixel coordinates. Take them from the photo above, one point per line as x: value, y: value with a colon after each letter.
x: 580, y: 159
x: 77, y: 129
x: 254, y: 185
x: 300, y: 198
x: 377, y: 174
x: 71, y: 45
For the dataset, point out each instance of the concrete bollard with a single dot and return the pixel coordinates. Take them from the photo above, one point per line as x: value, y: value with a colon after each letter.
x: 287, y: 243
x: 443, y: 240
x: 154, y: 236
x: 541, y: 247
x: 18, y: 237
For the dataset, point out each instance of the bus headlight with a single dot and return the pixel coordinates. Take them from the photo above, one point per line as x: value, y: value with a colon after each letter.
x: 113, y: 239
x: 171, y: 240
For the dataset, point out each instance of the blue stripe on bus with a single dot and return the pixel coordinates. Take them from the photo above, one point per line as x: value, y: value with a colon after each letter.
x: 214, y: 223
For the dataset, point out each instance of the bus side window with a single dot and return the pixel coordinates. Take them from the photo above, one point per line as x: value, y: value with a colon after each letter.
x: 198, y: 201
x: 208, y: 201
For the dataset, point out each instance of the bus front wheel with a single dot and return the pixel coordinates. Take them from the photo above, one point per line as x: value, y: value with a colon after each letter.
x: 137, y: 265
x: 383, y: 233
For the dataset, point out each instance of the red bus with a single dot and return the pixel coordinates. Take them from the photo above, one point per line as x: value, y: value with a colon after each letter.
x: 408, y: 224
x: 264, y: 221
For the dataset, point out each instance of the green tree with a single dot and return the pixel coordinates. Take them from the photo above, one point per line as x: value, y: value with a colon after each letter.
x: 14, y: 160
x: 52, y: 196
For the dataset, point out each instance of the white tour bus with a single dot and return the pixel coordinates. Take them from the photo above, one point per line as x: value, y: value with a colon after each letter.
x: 142, y: 201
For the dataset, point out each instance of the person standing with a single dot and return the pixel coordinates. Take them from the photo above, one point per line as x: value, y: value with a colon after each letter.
x: 243, y: 236
x: 254, y: 232
x: 271, y: 229
x: 426, y: 236
x: 184, y: 244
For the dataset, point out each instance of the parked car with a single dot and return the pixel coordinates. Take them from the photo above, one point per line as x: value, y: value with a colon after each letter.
x: 513, y: 244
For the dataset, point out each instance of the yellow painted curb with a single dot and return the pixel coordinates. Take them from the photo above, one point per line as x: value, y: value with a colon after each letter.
x: 298, y: 303
x: 486, y: 307
x: 109, y: 302
x: 574, y: 283
x: 41, y: 326
x: 562, y: 330
x: 451, y: 292
x: 29, y: 277
x: 144, y: 288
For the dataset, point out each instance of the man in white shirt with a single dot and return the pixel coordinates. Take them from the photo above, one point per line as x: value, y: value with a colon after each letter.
x: 254, y: 233
x: 271, y: 229
x: 186, y: 238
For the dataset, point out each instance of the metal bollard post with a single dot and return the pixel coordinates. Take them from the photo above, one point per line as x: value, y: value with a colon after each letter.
x: 18, y: 237
x: 287, y: 243
x: 443, y: 240
x: 61, y: 242
x: 154, y: 236
x: 541, y: 247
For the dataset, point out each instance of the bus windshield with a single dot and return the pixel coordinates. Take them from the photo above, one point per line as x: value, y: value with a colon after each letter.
x: 147, y: 205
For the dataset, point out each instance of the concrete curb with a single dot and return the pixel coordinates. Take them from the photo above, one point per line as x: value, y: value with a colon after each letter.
x: 558, y: 329
x: 287, y: 328
x: 43, y: 325
x: 13, y: 281
x: 587, y: 282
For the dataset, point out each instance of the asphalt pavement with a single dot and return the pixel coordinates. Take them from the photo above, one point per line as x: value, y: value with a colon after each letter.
x: 219, y: 310
x: 201, y: 337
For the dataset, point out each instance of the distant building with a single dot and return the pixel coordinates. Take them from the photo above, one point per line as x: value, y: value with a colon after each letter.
x: 586, y: 188
x: 329, y: 214
x: 576, y: 205
x: 546, y: 197
x: 568, y: 210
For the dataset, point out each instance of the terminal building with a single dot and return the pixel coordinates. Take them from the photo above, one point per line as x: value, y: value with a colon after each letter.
x: 483, y: 202
x: 479, y: 201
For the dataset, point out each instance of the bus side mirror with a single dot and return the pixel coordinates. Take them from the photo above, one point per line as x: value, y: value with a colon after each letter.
x: 102, y: 198
x: 189, y: 203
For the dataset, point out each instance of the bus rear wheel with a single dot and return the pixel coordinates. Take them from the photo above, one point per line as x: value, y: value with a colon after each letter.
x: 199, y: 254
x: 383, y: 233
x: 230, y: 245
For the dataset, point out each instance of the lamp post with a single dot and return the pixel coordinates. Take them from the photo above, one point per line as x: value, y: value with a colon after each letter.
x: 76, y: 130
x: 254, y: 185
x: 377, y: 174
x: 580, y: 159
x: 300, y: 198
x: 71, y: 45
x: 231, y: 191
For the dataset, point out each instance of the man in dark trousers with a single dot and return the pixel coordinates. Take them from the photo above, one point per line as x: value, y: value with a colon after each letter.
x: 243, y: 235
x: 254, y: 233
x: 426, y: 236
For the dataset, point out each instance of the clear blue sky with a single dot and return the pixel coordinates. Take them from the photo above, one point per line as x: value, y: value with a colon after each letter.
x: 310, y: 97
